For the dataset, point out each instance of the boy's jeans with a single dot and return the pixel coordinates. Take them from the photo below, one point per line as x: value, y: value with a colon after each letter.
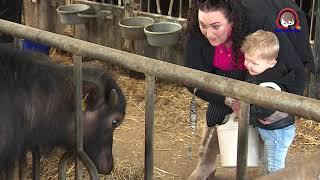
x: 276, y: 145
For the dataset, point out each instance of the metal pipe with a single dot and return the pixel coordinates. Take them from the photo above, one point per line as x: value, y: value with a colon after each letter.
x: 78, y: 100
x: 62, y: 167
x: 265, y: 97
x: 180, y: 8
x: 2, y: 175
x: 301, y: 1
x: 170, y: 7
x: 148, y: 6
x: 22, y: 167
x: 317, y: 40
x: 243, y: 131
x: 307, y: 168
x: 180, y: 20
x: 89, y: 165
x: 190, y: 4
x: 36, y: 164
x: 149, y: 126
x: 311, y: 23
x: 11, y: 173
x: 158, y: 7
x: 79, y: 122
x: 78, y: 167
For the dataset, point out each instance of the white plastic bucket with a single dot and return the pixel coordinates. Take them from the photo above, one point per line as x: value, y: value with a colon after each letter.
x: 228, y: 140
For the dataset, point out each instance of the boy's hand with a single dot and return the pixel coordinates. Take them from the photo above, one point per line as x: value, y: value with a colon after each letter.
x: 265, y: 121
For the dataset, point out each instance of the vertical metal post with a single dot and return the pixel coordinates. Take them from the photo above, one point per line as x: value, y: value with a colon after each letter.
x: 62, y: 167
x: 22, y: 167
x: 311, y: 23
x: 148, y: 6
x: 315, y: 77
x: 36, y: 164
x: 79, y: 119
x: 78, y: 167
x: 243, y: 131
x: 13, y: 173
x: 2, y: 175
x: 317, y: 38
x: 180, y: 9
x: 158, y: 7
x: 79, y: 124
x: 170, y: 7
x: 149, y: 126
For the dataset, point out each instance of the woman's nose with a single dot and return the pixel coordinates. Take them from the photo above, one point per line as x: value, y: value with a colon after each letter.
x: 210, y: 33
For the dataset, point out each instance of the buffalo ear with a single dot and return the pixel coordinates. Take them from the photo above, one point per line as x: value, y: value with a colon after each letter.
x: 91, y: 94
x: 113, y: 99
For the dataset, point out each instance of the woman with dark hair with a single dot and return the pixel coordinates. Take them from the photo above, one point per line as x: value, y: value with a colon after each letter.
x: 215, y: 31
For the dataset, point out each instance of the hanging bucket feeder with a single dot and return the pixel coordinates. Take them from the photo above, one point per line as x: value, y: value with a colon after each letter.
x: 163, y: 33
x: 132, y: 28
x: 94, y: 14
x: 69, y: 14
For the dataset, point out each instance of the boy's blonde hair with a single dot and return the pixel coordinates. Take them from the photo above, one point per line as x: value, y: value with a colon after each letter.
x: 265, y: 43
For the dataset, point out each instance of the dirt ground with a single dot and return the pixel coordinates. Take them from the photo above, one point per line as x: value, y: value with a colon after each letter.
x: 175, y: 146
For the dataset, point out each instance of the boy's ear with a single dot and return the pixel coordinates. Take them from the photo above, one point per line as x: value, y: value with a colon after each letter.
x: 272, y: 63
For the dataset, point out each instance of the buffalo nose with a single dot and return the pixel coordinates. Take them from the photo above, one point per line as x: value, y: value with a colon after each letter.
x: 105, y: 167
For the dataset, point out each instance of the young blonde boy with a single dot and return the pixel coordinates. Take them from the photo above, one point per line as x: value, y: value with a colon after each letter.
x: 276, y: 129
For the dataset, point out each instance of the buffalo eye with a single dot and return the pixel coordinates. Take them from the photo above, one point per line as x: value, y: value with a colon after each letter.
x: 114, y: 123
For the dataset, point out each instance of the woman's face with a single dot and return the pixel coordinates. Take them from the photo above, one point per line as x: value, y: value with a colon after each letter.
x: 214, y: 26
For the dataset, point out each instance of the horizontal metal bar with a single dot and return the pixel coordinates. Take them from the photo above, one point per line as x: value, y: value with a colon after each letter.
x: 178, y: 19
x: 265, y: 97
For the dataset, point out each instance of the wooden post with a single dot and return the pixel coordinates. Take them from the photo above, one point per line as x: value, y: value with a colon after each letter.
x: 315, y: 78
x: 43, y: 15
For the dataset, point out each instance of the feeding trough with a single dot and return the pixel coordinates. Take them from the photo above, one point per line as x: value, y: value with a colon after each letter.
x: 94, y: 14
x: 69, y: 14
x: 132, y: 28
x: 163, y: 33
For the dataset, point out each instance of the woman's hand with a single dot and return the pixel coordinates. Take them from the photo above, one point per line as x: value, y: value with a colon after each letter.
x: 234, y: 104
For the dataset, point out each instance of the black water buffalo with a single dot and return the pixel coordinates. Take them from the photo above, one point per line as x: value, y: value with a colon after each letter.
x: 37, y: 108
x: 10, y: 10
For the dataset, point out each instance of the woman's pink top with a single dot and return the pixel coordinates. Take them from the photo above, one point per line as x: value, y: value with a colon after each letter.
x: 222, y: 59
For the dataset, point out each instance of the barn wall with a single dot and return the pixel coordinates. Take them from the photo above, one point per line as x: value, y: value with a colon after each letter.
x: 103, y: 31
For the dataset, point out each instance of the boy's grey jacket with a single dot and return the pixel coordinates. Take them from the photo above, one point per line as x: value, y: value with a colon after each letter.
x: 280, y: 77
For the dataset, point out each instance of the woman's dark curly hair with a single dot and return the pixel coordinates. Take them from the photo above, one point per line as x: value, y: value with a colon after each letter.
x: 233, y: 11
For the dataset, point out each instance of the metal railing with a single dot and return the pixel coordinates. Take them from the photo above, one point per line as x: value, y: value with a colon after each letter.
x: 290, y: 103
x: 313, y: 15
